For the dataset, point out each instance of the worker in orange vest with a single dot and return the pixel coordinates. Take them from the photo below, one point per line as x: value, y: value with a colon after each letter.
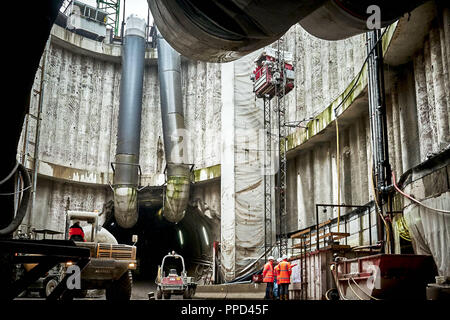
x: 268, y: 278
x: 284, y: 278
x: 276, y: 287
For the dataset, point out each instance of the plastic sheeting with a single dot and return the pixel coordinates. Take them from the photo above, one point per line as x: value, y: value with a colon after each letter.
x: 430, y: 230
x: 242, y: 183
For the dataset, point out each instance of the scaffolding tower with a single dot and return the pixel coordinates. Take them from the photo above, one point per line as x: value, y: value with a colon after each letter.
x: 267, y: 177
x: 112, y: 8
x: 280, y: 92
x: 272, y: 79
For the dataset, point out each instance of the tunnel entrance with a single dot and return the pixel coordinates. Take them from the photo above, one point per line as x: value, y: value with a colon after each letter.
x: 191, y: 238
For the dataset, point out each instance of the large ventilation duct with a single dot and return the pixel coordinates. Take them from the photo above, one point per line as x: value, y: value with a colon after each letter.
x: 340, y: 19
x: 126, y: 165
x: 177, y: 168
x: 221, y: 31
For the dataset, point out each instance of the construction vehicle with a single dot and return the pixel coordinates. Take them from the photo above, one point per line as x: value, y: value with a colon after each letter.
x: 176, y: 281
x: 110, y: 264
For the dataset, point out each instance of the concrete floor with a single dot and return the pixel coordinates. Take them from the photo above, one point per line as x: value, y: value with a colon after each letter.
x: 139, y: 292
x: 141, y: 289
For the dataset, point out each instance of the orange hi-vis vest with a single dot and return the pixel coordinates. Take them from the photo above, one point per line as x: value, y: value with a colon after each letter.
x: 268, y: 272
x: 276, y: 271
x: 285, y: 273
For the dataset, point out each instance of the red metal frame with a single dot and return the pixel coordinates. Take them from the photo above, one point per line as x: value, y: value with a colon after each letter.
x: 399, y: 276
x: 263, y: 75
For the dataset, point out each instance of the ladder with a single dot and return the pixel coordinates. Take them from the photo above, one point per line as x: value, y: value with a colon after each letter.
x: 32, y: 139
x: 267, y: 176
x: 280, y: 92
x: 305, y: 247
x: 303, y: 269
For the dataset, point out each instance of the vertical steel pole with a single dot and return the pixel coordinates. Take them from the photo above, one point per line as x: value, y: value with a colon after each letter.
x: 370, y: 228
x: 377, y: 107
x: 317, y: 226
x: 123, y: 22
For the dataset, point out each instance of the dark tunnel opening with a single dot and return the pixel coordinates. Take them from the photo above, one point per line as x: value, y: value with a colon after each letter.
x: 189, y: 238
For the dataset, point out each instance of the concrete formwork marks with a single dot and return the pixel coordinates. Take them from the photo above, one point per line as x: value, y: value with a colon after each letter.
x: 432, y: 95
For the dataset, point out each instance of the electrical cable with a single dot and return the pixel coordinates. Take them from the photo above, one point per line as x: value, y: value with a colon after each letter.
x: 403, y: 230
x: 413, y: 199
x: 338, y: 172
x: 22, y: 210
x: 336, y: 281
x: 10, y: 174
x: 348, y: 280
x: 14, y: 193
x: 406, y: 233
x: 364, y: 291
x: 337, y: 125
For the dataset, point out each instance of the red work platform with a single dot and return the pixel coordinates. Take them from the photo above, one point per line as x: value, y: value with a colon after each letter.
x: 267, y: 75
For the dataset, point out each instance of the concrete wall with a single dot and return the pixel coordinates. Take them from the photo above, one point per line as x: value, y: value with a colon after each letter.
x: 54, y: 198
x: 312, y: 177
x: 81, y: 100
x: 417, y: 112
x: 80, y: 112
x: 323, y: 70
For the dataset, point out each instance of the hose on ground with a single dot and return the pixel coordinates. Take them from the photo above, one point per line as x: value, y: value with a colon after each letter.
x: 22, y: 210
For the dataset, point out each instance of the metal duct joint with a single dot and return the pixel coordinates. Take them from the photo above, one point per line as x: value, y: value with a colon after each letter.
x: 175, y: 138
x: 221, y: 31
x: 126, y: 165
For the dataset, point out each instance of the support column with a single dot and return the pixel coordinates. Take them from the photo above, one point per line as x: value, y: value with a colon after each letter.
x: 228, y: 211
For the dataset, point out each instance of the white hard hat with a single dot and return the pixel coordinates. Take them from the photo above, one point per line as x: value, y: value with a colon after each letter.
x: 284, y: 257
x: 271, y: 258
x: 279, y: 260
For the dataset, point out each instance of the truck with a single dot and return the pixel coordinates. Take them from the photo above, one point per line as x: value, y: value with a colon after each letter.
x: 172, y: 278
x: 110, y: 264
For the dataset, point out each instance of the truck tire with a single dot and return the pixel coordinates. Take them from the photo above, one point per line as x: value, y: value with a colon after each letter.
x: 166, y: 296
x: 159, y: 294
x: 49, y: 286
x: 187, y: 293
x: 120, y: 290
